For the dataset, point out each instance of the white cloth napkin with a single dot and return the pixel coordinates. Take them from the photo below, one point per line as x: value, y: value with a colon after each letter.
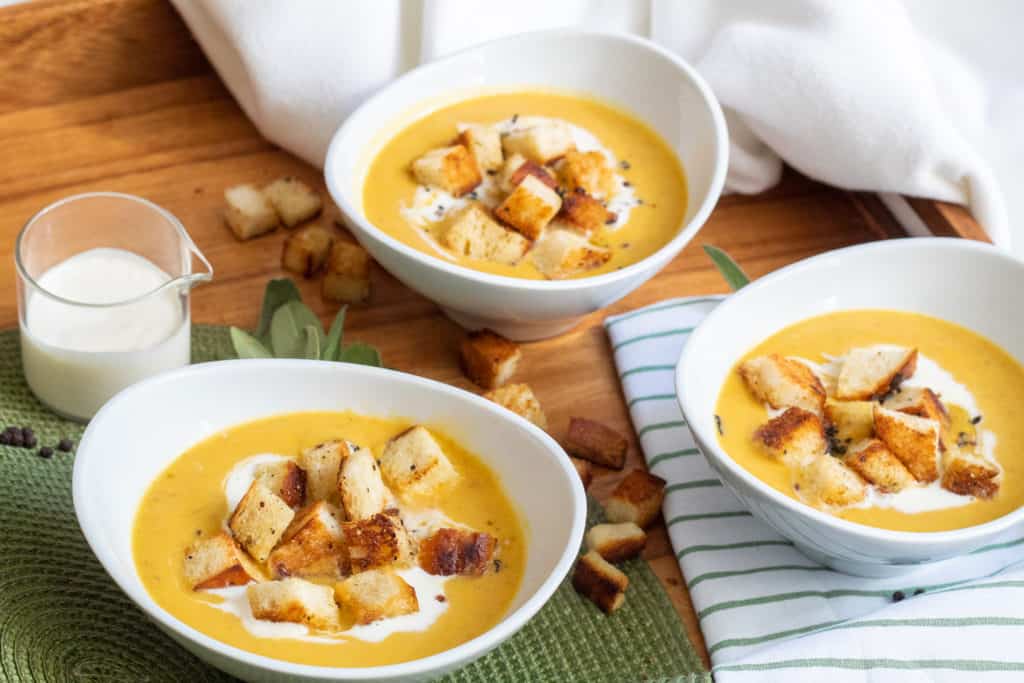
x: 769, y: 613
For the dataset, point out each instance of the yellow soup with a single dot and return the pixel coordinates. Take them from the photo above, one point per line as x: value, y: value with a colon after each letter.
x: 187, y: 501
x: 645, y: 161
x: 988, y: 372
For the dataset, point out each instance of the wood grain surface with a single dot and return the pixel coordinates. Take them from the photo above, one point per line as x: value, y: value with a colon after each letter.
x: 115, y: 95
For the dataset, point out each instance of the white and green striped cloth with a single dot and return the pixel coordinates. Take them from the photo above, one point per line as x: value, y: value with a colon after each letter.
x: 769, y: 613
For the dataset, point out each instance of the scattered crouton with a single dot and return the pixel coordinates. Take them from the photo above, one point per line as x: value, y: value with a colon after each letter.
x: 616, y: 542
x: 562, y: 253
x: 583, y: 213
x: 517, y: 167
x: 414, y: 465
x: 636, y: 499
x: 216, y: 562
x: 313, y: 545
x: 379, y: 541
x: 293, y: 200
x: 484, y: 143
x: 457, y: 551
x: 783, y: 383
x: 475, y: 234
x: 876, y: 464
x: 529, y: 208
x: 851, y: 421
x: 488, y: 358
x: 542, y: 143
x: 519, y: 398
x: 795, y: 437
x: 323, y: 464
x: 360, y: 485
x: 260, y: 521
x: 918, y: 401
x: 870, y: 373
x: 305, y: 251
x: 286, y: 479
x: 584, y: 469
x: 295, y: 600
x: 967, y: 474
x: 601, y: 582
x: 825, y: 482
x: 347, y: 279
x: 588, y: 171
x: 453, y: 169
x: 912, y: 439
x: 248, y: 212
x: 376, y: 594
x: 596, y: 442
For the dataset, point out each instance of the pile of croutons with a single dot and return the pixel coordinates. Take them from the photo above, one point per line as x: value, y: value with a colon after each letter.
x: 320, y: 540
x: 553, y: 197
x: 861, y: 428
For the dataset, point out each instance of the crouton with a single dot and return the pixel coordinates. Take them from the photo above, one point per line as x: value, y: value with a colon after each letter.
x: 870, y: 373
x: 260, y: 521
x: 876, y: 464
x: 596, y: 442
x: 347, y: 279
x: 360, y: 486
x: 379, y: 541
x: 912, y: 439
x: 529, y: 208
x: 542, y: 143
x: 783, y: 383
x: 323, y: 464
x: 517, y: 167
x: 457, y: 551
x: 583, y: 469
x: 488, y: 358
x: 583, y: 214
x: 453, y: 169
x: 562, y: 253
x: 286, y: 479
x: 376, y: 594
x: 305, y: 251
x: 475, y: 234
x: 795, y: 437
x: 967, y: 474
x: 600, y: 582
x: 296, y: 601
x: 918, y: 401
x: 616, y: 542
x: 825, y: 482
x: 587, y: 171
x: 519, y: 398
x: 484, y: 143
x: 413, y: 464
x: 217, y: 562
x: 851, y: 421
x: 248, y: 212
x: 293, y: 200
x: 313, y: 545
x: 636, y: 499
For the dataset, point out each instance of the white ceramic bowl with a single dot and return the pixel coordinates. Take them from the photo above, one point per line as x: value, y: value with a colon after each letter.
x: 144, y: 428
x: 632, y: 73
x: 969, y: 283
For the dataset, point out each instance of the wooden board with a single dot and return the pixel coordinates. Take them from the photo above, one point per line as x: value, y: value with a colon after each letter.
x: 115, y: 95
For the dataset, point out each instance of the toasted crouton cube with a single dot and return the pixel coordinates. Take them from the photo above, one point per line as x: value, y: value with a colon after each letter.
x: 248, y: 213
x: 616, y: 542
x: 529, y: 208
x: 347, y: 279
x: 457, y: 551
x: 313, y: 545
x: 484, y: 143
x: 260, y: 521
x: 376, y: 594
x: 596, y: 442
x: 453, y: 169
x: 587, y: 171
x: 967, y: 474
x: 583, y: 469
x: 517, y: 167
x: 562, y: 253
x: 475, y: 234
x: 583, y: 213
x: 918, y: 401
x: 379, y: 541
x: 286, y: 479
x: 414, y: 464
x: 601, y: 582
x: 795, y: 437
x: 519, y: 398
x: 636, y: 499
x: 876, y: 464
x: 542, y: 143
x: 217, y: 562
x: 360, y: 485
x: 305, y: 251
x: 851, y: 420
x: 293, y: 200
x: 323, y: 465
x: 825, y: 482
x: 488, y: 358
x: 869, y: 373
x: 296, y: 601
x: 912, y: 439
x: 783, y: 383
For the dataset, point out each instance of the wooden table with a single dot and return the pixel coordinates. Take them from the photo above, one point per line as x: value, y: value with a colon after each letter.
x: 115, y: 95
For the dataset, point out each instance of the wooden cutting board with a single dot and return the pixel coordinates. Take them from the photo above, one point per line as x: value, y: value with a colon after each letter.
x: 115, y: 95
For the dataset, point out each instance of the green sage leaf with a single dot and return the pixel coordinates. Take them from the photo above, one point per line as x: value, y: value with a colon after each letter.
x: 361, y: 354
x: 313, y: 342
x: 332, y: 346
x: 286, y: 334
x: 248, y: 346
x: 277, y: 294
x: 729, y: 269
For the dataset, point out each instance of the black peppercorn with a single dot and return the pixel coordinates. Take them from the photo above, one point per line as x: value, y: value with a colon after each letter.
x: 65, y: 445
x: 45, y: 452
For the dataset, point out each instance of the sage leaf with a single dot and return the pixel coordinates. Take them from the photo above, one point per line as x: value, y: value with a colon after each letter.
x: 307, y: 318
x: 332, y: 346
x: 361, y: 354
x: 729, y: 269
x: 277, y: 294
x: 248, y: 346
x: 313, y: 333
x: 286, y: 334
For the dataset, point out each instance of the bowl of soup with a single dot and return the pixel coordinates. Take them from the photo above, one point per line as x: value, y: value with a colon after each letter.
x: 297, y: 520
x: 521, y: 190
x: 861, y: 401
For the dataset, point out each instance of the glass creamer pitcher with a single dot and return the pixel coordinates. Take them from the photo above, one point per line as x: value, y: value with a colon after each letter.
x: 103, y: 298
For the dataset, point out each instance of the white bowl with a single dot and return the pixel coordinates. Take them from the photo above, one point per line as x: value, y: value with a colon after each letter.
x: 632, y: 73
x: 968, y: 283
x: 144, y: 428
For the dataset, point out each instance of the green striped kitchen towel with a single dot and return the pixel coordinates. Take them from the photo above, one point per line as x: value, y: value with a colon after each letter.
x: 768, y: 612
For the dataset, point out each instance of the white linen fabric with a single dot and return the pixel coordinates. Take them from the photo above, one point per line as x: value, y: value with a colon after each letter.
x: 767, y: 612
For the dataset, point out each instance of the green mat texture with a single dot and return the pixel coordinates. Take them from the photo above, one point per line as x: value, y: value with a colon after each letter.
x: 63, y: 619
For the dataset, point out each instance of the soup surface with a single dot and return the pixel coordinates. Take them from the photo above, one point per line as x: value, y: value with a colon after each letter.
x: 188, y: 500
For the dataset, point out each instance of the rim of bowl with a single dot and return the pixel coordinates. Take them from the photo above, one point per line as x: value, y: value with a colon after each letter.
x: 736, y: 300
x: 462, y: 653
x: 687, y: 229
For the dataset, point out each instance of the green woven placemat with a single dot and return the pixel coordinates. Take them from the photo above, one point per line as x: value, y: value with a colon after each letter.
x: 63, y: 619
